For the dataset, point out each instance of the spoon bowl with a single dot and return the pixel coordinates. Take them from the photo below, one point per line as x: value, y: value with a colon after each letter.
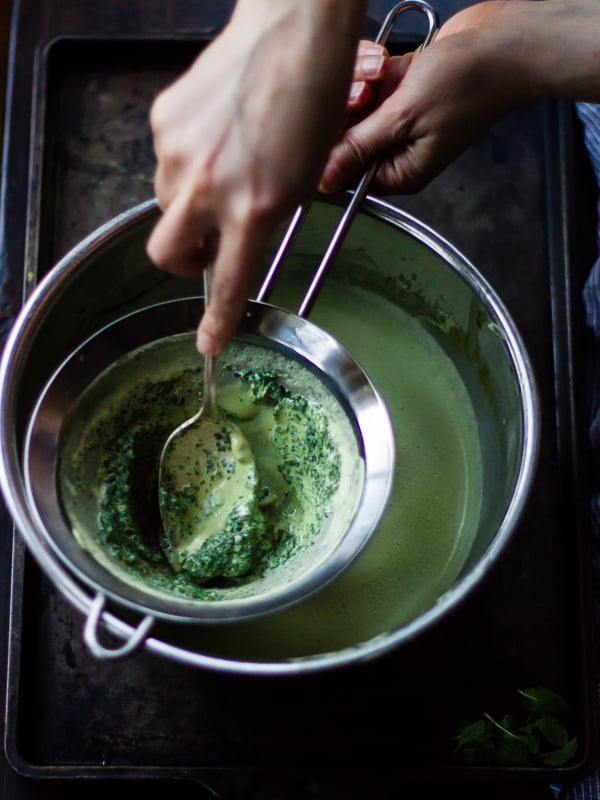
x: 208, y: 484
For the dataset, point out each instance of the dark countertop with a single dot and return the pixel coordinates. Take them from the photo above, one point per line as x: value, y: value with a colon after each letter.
x: 456, y: 208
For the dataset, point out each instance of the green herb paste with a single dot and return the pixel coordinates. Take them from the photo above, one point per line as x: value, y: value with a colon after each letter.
x: 108, y: 470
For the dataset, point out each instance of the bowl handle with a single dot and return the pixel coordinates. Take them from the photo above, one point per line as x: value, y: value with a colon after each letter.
x: 90, y: 633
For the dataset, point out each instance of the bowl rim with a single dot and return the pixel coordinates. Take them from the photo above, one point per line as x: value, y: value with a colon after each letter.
x: 12, y: 485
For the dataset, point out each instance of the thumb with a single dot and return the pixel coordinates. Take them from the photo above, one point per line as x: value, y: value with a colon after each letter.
x: 370, y: 138
x: 359, y: 147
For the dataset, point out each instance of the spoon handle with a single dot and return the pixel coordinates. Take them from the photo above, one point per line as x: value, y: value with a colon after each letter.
x: 210, y: 362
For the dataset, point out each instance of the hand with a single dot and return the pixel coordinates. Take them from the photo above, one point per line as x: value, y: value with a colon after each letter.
x: 431, y: 105
x: 370, y: 67
x: 485, y: 61
x: 242, y: 138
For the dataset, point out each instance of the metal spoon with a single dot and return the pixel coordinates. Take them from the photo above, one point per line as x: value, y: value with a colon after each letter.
x: 208, y: 486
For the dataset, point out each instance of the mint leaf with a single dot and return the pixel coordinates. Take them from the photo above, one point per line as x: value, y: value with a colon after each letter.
x: 557, y: 758
x: 553, y: 731
x: 539, y: 700
x: 470, y: 732
x: 538, y: 737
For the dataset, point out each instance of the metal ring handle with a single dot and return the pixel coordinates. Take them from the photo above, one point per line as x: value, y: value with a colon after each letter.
x: 359, y: 193
x: 90, y: 633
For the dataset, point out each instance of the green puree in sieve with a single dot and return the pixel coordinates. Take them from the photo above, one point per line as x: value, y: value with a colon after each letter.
x: 297, y: 460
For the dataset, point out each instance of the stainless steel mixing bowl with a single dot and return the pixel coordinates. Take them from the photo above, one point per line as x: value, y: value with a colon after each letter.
x: 108, y: 276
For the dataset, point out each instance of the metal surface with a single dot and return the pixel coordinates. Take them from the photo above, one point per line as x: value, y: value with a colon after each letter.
x: 69, y: 717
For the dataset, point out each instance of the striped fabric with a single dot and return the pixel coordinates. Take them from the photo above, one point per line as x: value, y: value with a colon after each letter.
x: 589, y: 114
x: 588, y: 788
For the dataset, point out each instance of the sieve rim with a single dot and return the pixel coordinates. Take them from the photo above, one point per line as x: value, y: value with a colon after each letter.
x: 282, y: 330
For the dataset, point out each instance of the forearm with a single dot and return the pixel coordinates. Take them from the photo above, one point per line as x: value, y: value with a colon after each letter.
x: 547, y: 48
x: 575, y: 26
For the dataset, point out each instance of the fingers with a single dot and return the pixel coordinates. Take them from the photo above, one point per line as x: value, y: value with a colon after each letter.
x: 408, y: 160
x: 371, y: 62
x: 241, y: 138
x: 235, y: 265
x: 183, y: 241
x: 371, y: 65
x: 357, y: 150
x: 177, y: 243
x: 361, y: 94
x: 369, y: 139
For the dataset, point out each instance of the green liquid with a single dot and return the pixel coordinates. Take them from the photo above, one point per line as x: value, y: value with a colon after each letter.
x: 427, y: 532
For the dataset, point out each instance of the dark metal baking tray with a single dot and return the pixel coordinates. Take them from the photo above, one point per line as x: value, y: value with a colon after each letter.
x: 508, y: 204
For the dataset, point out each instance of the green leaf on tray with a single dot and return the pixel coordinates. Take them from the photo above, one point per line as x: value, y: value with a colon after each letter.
x: 538, y: 737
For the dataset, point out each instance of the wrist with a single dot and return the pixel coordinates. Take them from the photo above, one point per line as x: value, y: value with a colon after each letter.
x: 330, y: 18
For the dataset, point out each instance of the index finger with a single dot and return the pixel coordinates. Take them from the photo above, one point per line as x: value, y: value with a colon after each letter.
x: 238, y: 255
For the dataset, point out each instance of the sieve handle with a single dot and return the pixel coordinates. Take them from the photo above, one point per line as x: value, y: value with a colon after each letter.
x: 359, y: 193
